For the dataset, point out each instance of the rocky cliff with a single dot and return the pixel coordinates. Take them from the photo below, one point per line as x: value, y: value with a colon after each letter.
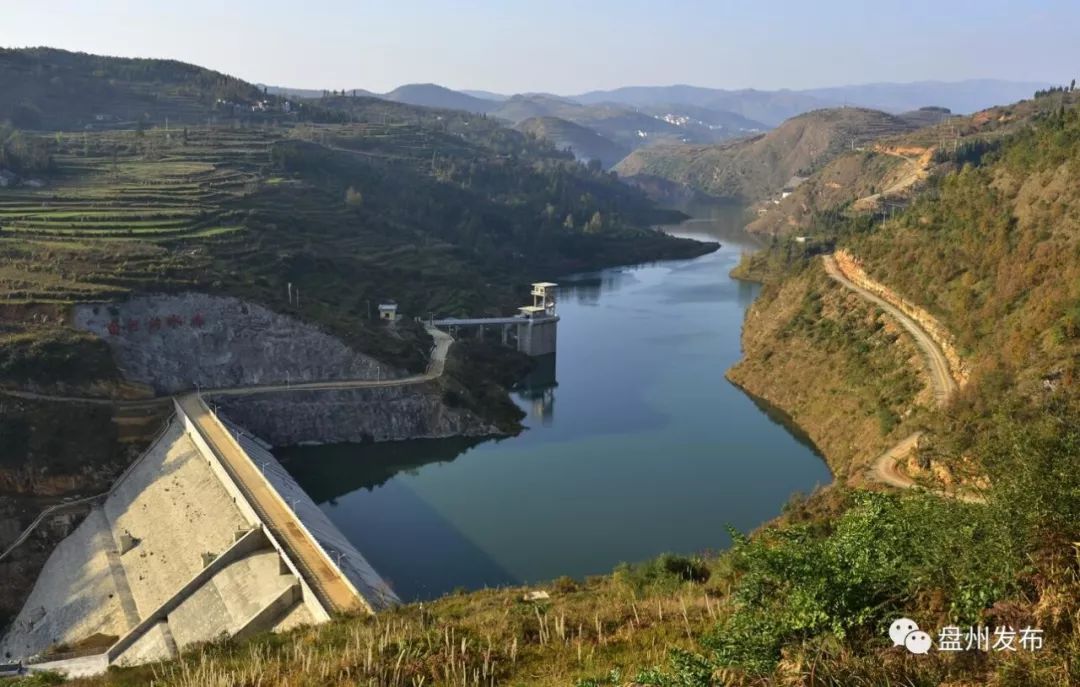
x: 174, y: 342
x: 351, y: 415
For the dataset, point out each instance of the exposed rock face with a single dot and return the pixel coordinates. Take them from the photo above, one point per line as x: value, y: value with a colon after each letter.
x: 173, y: 342
x: 288, y: 418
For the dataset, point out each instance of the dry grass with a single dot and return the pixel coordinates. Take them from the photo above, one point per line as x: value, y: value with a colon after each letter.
x: 482, y: 638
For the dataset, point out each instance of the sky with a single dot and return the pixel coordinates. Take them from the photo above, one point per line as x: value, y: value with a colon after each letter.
x: 570, y: 46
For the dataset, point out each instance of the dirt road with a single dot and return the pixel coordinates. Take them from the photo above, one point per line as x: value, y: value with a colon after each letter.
x: 938, y: 365
x: 886, y: 467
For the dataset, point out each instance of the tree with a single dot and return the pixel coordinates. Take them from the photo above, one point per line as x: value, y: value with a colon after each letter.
x: 595, y: 224
x: 353, y: 198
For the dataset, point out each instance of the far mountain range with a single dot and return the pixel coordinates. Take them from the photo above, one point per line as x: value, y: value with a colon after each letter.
x: 608, y: 125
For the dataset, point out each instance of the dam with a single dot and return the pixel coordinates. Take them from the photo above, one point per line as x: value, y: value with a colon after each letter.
x: 204, y: 536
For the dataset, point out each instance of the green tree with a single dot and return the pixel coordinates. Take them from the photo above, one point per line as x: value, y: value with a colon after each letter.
x: 353, y: 198
x: 595, y: 224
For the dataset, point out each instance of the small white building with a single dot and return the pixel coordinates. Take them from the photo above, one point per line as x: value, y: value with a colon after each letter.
x: 388, y: 311
x: 543, y: 293
x: 7, y: 178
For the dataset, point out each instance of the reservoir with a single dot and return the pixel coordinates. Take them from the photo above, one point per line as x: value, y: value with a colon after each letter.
x: 635, y: 445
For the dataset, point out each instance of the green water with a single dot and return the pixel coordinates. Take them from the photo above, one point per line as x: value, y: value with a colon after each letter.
x: 641, y: 447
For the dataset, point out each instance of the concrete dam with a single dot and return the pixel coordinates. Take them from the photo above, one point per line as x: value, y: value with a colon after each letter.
x: 204, y: 536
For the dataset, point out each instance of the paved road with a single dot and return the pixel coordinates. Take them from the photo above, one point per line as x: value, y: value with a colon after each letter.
x: 435, y: 370
x: 938, y: 365
x: 886, y: 467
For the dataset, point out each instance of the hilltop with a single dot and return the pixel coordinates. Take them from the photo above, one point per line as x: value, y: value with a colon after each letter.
x: 630, y: 127
x: 774, y: 107
x: 885, y: 175
x: 626, y: 127
x: 584, y: 143
x: 754, y: 168
x: 433, y: 95
x: 49, y: 89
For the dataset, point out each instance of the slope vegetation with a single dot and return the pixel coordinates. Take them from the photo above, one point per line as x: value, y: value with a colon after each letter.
x: 584, y: 143
x: 444, y: 212
x: 755, y: 168
x: 45, y: 88
x: 883, y: 177
x: 433, y: 95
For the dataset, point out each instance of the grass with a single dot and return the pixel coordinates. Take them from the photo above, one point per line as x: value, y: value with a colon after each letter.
x: 631, y: 620
x: 760, y: 614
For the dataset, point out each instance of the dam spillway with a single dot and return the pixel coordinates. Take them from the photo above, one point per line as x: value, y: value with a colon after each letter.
x: 204, y: 535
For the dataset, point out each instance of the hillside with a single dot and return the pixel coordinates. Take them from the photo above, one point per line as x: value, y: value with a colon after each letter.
x: 769, y: 107
x: 883, y: 177
x: 755, y: 168
x: 705, y: 123
x: 445, y: 212
x: 44, y: 88
x: 584, y: 143
x: 122, y: 212
x: 432, y: 95
x: 621, y: 125
x: 989, y: 250
x: 773, y: 107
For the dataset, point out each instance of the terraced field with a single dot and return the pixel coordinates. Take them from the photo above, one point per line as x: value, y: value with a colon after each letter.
x: 118, y: 207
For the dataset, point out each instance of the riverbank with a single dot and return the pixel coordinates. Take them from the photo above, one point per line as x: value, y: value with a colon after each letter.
x: 846, y: 374
x: 634, y: 409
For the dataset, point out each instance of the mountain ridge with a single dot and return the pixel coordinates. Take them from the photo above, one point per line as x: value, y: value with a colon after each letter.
x: 751, y: 169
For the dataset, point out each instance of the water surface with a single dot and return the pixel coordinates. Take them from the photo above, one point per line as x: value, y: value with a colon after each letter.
x: 640, y: 447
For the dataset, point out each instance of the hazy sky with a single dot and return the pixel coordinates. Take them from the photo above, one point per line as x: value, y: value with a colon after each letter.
x: 569, y: 46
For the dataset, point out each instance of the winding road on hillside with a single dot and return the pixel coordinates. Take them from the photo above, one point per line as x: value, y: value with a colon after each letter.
x: 435, y: 370
x: 940, y: 376
x: 886, y: 467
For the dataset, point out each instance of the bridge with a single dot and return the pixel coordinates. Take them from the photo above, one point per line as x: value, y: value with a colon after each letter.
x: 533, y: 330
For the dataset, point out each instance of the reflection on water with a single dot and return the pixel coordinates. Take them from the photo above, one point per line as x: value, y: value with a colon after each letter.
x: 538, y: 388
x: 327, y: 472
x: 652, y: 449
